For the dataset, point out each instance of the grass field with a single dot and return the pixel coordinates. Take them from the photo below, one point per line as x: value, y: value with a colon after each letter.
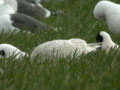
x: 95, y: 71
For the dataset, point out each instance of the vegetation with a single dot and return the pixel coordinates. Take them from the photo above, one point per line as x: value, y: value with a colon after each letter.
x: 95, y: 71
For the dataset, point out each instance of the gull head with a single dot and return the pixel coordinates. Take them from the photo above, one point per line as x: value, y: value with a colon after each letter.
x: 106, y: 41
x: 7, y: 50
x: 99, y: 10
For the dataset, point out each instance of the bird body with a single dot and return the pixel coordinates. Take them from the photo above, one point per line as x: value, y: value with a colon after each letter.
x: 64, y: 48
x: 109, y: 11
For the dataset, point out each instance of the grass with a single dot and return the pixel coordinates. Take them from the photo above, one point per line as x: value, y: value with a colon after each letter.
x: 95, y: 71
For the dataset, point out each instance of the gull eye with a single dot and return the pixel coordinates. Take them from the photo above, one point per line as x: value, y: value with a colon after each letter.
x: 99, y: 38
x: 2, y: 53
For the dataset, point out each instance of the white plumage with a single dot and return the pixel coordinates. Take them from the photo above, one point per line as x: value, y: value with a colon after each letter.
x: 6, y: 24
x: 7, y: 7
x: 1, y: 2
x: 106, y: 40
x: 109, y: 11
x: 64, y: 48
x: 7, y: 50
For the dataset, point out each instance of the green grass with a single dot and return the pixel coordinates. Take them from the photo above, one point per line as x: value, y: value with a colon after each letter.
x: 95, y: 71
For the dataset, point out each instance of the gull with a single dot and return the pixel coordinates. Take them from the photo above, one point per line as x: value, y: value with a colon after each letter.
x: 110, y: 12
x: 7, y: 8
x: 64, y: 48
x: 8, y: 50
x: 106, y: 41
x: 11, y: 21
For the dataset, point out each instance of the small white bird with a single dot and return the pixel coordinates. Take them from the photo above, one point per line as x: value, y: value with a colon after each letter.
x: 109, y: 11
x: 106, y: 40
x: 7, y: 50
x: 63, y: 48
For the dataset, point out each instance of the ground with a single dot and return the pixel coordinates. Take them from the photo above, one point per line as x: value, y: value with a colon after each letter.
x: 95, y: 71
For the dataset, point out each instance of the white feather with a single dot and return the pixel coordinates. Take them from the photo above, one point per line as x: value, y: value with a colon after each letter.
x: 11, y: 51
x: 1, y: 2
x: 58, y: 48
x: 109, y: 11
x: 6, y: 24
x: 8, y: 6
x: 107, y: 43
